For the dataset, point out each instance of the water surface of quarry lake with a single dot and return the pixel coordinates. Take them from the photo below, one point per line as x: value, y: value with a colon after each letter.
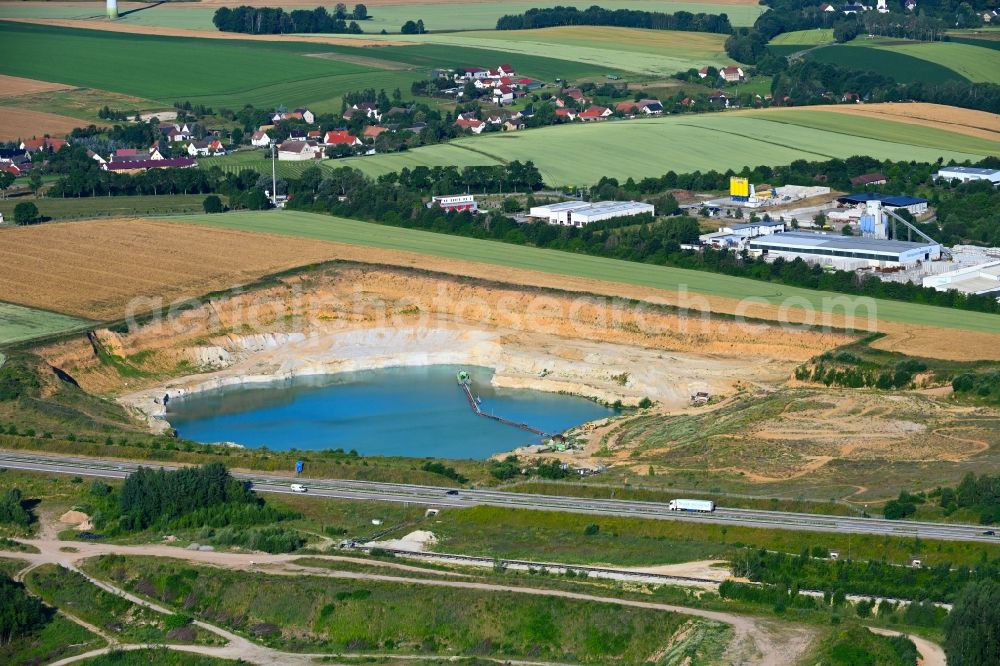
x: 412, y: 411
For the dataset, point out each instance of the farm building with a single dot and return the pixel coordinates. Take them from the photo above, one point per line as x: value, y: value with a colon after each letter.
x: 965, y: 174
x: 844, y: 251
x: 579, y: 213
x: 296, y: 151
x: 138, y: 166
x: 732, y: 74
x: 455, y: 202
x: 341, y: 138
x: 980, y: 279
x: 868, y: 179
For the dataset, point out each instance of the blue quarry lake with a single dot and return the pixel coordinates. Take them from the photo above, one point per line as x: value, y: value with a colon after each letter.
x: 409, y: 411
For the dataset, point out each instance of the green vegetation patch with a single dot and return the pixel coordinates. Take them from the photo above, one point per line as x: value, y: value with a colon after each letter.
x: 71, y: 592
x: 309, y: 613
x: 857, y: 646
x: 57, y: 639
x: 685, y: 143
x: 57, y: 208
x: 156, y: 657
x: 320, y: 227
x: 901, y: 66
x: 562, y: 537
x: 20, y: 324
x: 975, y: 63
x: 804, y: 37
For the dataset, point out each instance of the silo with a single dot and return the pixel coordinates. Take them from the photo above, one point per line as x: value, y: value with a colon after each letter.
x: 112, y: 9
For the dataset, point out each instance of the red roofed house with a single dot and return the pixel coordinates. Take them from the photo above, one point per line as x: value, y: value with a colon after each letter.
x: 868, y: 179
x: 595, y: 113
x: 260, y: 139
x: 373, y: 131
x: 569, y: 114
x: 475, y: 126
x: 703, y: 72
x: 503, y: 95
x: 341, y: 138
x: 626, y: 107
x: 732, y: 74
x: 315, y: 135
x: 506, y: 69
x: 11, y: 169
x: 45, y: 143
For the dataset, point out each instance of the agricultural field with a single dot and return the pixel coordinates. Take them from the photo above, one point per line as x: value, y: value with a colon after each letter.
x: 95, y: 269
x: 804, y: 37
x: 388, y: 16
x: 262, y: 73
x: 91, y: 207
x: 340, y: 230
x: 651, y: 52
x: 969, y: 122
x: 911, y: 62
x: 580, y: 154
x: 81, y: 104
x: 19, y: 323
x: 23, y: 124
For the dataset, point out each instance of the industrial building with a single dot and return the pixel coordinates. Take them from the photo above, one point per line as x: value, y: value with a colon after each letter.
x: 965, y: 174
x: 981, y: 279
x: 580, y: 213
x: 844, y: 252
x: 913, y: 205
x: 456, y: 202
x: 736, y: 235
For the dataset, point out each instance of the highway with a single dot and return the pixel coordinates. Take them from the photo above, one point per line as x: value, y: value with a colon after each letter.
x: 435, y: 496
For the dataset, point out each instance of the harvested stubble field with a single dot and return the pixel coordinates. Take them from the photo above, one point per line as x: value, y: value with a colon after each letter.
x: 94, y: 269
x: 15, y: 86
x: 980, y: 124
x: 24, y: 124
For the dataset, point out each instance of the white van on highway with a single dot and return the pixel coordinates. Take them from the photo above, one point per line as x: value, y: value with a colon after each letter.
x: 298, y: 488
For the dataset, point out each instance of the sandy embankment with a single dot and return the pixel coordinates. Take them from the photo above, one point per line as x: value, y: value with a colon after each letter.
x: 354, y: 318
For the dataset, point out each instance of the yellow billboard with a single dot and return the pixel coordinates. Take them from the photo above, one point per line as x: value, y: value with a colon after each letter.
x: 739, y: 187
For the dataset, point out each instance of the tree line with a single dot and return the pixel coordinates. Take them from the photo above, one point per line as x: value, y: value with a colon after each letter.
x: 622, y: 18
x: 275, y: 20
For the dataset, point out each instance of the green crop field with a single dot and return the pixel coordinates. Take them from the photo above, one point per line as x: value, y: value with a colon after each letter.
x: 235, y: 72
x: 804, y: 37
x: 580, y: 154
x: 18, y: 323
x: 657, y: 52
x: 83, y: 208
x: 912, y: 62
x: 322, y: 227
x: 437, y: 17
x: 975, y: 63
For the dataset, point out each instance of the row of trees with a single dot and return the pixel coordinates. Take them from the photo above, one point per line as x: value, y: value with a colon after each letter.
x: 940, y: 583
x: 275, y: 20
x: 622, y: 18
x: 20, y: 612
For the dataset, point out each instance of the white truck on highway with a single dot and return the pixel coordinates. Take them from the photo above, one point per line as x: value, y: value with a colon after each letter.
x: 701, y: 506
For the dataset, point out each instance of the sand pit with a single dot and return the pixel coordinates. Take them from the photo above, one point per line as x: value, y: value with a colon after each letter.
x: 15, y: 86
x: 418, y: 542
x: 25, y: 124
x: 78, y: 519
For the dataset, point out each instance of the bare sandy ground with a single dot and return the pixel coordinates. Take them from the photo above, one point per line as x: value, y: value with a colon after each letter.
x: 24, y: 124
x: 15, y: 86
x: 979, y: 124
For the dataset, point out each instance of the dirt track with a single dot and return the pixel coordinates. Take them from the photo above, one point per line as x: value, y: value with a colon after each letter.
x: 758, y: 641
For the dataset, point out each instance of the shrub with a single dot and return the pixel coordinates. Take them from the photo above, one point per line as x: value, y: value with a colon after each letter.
x: 26, y: 213
x: 591, y: 529
x: 213, y: 204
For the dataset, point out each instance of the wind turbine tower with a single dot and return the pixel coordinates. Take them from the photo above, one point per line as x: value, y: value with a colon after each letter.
x: 112, y: 9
